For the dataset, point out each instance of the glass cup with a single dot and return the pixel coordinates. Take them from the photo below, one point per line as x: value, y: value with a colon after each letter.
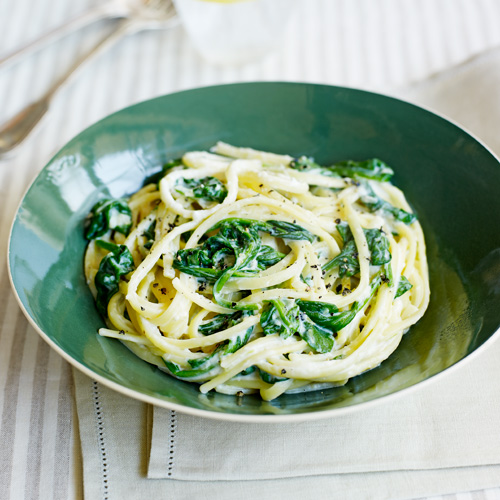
x: 229, y: 32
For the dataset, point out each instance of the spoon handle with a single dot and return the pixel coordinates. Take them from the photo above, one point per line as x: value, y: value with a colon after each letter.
x: 21, y: 125
x: 107, y: 10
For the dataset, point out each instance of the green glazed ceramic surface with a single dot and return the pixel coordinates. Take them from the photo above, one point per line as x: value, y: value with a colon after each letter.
x: 451, y: 180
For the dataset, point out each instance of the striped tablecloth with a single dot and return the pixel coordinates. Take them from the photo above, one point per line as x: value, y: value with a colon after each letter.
x: 371, y: 44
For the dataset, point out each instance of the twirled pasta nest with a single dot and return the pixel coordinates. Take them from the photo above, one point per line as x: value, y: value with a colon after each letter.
x: 247, y: 271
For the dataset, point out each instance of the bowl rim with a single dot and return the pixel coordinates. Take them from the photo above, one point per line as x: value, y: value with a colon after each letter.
x: 223, y: 415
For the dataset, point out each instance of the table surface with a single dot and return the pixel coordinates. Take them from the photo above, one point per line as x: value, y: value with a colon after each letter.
x: 371, y: 44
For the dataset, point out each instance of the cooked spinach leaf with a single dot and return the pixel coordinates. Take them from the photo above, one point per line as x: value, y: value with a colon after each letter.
x: 207, y: 188
x: 347, y: 260
x: 325, y: 314
x: 270, y: 379
x: 113, y: 266
x: 108, y: 214
x: 239, y: 341
x: 378, y: 244
x: 328, y: 317
x: 267, y: 257
x: 305, y: 164
x: 403, y: 286
x: 287, y: 230
x: 248, y: 370
x: 284, y: 317
x: 277, y: 228
x: 150, y: 235
x: 235, y: 251
x: 234, y: 246
x: 280, y: 316
x: 344, y: 231
x: 373, y: 203
x: 370, y: 169
x: 221, y: 322
x: 318, y: 338
x: 386, y: 274
x: 206, y: 364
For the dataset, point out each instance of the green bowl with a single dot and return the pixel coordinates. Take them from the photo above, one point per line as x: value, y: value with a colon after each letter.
x: 451, y: 180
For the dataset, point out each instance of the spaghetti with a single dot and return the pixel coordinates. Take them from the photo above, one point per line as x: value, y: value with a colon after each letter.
x: 246, y: 271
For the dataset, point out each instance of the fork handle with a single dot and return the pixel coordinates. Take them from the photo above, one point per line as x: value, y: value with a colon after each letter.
x: 22, y: 124
x: 107, y: 10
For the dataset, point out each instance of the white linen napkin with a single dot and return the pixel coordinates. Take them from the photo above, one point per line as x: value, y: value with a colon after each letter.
x: 440, y: 438
x: 452, y: 422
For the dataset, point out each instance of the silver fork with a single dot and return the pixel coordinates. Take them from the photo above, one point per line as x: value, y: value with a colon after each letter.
x: 106, y: 10
x: 148, y: 14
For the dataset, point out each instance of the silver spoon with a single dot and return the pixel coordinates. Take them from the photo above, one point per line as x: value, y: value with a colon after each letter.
x: 148, y: 14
